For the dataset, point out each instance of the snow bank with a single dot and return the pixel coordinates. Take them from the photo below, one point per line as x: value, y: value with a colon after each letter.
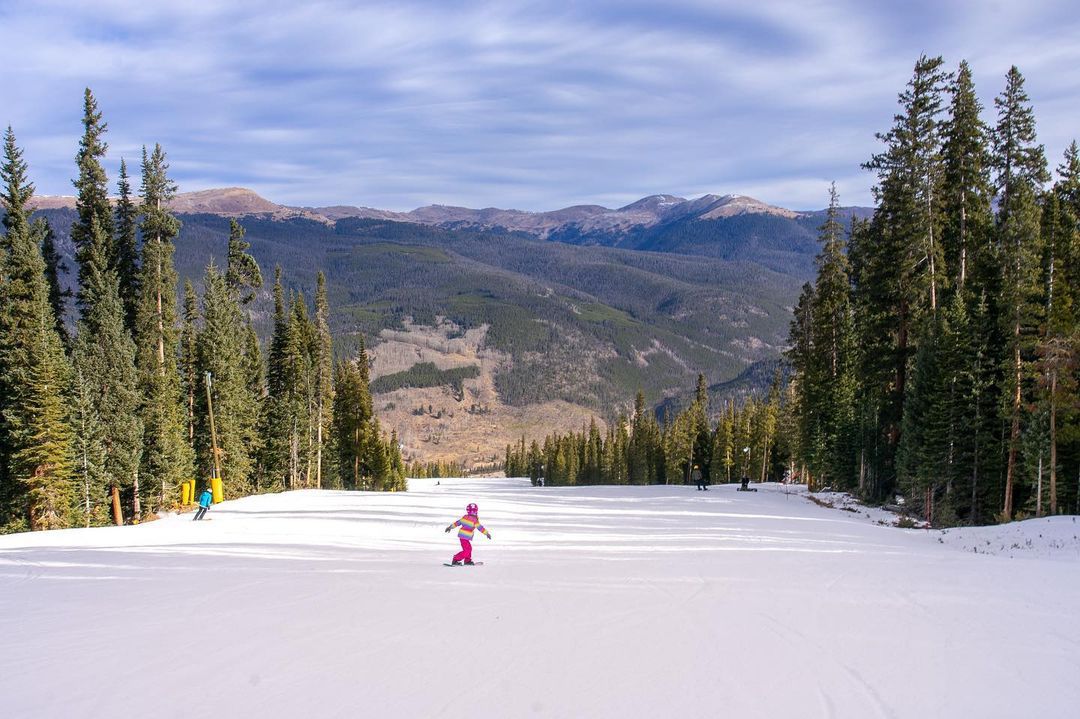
x: 1055, y: 538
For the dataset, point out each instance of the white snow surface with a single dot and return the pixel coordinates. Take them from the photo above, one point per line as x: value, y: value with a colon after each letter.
x: 592, y: 602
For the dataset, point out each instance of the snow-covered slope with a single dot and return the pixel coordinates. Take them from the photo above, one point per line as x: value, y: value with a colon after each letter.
x: 593, y: 602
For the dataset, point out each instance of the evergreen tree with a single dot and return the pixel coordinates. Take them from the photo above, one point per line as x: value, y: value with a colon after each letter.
x: 324, y: 387
x: 104, y: 354
x: 35, y: 376
x: 897, y: 260
x: 243, y: 278
x: 637, y: 467
x: 93, y: 230
x: 911, y: 171
x: 701, y: 452
x: 167, y: 457
x: 255, y: 378
x: 922, y: 456
x: 377, y: 457
x: 91, y: 484
x: 189, y: 360
x: 352, y: 417
x: 1059, y: 348
x: 242, y: 275
x: 970, y: 337
x: 1019, y: 163
x: 966, y: 186
x: 832, y: 336
x: 1020, y: 171
x: 280, y: 403
x: 125, y: 258
x: 300, y: 394
x: 396, y: 474
x: 593, y: 455
x: 54, y: 267
x: 1066, y: 278
x: 824, y: 358
x: 221, y: 356
x: 365, y: 460
x: 535, y: 464
x: 723, y: 450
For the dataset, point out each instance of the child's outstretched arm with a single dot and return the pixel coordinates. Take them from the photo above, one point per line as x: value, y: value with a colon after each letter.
x: 455, y: 524
x: 481, y: 528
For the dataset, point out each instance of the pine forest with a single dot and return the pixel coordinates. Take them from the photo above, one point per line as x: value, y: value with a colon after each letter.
x: 104, y: 425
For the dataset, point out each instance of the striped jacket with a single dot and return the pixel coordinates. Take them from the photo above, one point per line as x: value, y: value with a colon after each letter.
x: 469, y: 524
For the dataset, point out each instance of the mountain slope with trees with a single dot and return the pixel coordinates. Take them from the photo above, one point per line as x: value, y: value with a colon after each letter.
x: 108, y: 422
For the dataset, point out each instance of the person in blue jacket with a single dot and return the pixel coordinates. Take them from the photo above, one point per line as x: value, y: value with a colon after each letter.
x: 205, y: 500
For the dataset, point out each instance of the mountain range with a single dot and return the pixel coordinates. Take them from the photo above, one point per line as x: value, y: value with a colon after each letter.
x: 552, y: 317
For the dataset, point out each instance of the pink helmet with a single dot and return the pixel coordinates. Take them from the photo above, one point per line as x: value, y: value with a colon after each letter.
x: 471, y: 509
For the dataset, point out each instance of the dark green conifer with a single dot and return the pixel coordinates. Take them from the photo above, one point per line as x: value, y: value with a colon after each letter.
x: 104, y: 354
x: 189, y: 360
x: 221, y: 356
x: 125, y: 258
x: 88, y: 460
x: 966, y: 187
x: 1020, y: 171
x: 351, y: 416
x: 242, y: 274
x: 92, y: 232
x: 54, y: 267
x: 35, y: 376
x: 167, y: 457
x: 323, y: 368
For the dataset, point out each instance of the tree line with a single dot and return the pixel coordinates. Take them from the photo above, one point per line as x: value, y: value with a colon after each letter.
x: 935, y: 354
x: 104, y: 424
x: 747, y: 439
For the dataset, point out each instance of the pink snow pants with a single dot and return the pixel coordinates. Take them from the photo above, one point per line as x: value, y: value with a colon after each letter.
x: 465, y: 555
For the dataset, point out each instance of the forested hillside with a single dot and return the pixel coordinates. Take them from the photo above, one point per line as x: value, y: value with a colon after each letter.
x: 936, y: 353
x: 106, y: 421
x: 588, y: 324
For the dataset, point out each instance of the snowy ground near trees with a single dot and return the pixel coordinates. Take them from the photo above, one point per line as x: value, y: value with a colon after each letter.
x: 593, y: 602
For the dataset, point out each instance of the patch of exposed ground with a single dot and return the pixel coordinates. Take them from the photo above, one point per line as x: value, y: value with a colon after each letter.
x: 473, y: 428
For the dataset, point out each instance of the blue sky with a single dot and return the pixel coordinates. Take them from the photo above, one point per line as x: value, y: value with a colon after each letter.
x: 517, y: 104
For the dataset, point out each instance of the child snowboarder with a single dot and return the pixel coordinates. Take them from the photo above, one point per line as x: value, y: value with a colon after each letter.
x: 469, y: 524
x: 205, y: 500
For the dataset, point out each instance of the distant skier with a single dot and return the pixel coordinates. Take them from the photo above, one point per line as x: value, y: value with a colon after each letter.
x: 699, y: 478
x: 744, y: 485
x: 205, y: 500
x: 469, y: 524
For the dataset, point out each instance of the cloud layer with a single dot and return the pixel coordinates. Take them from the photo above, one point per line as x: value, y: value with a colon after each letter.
x: 512, y: 103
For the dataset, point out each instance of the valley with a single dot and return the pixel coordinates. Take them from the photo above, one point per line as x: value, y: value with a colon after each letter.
x: 565, y: 315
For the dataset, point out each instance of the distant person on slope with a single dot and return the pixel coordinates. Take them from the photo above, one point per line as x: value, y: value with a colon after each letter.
x: 205, y: 500
x: 698, y: 477
x: 469, y: 524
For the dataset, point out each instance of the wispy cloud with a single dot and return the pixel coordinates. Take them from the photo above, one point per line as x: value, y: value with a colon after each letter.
x: 512, y: 103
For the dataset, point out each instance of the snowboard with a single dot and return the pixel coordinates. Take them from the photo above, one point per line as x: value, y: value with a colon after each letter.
x: 450, y: 564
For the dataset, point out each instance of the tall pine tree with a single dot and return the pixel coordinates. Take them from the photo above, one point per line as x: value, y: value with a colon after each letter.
x: 1020, y: 171
x: 167, y: 458
x: 125, y: 258
x: 221, y: 356
x: 104, y: 352
x: 35, y: 376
